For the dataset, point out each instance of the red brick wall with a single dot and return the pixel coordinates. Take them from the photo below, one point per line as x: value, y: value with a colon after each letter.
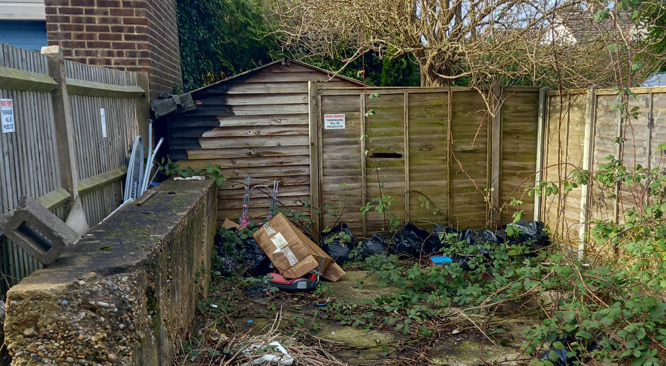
x: 130, y: 35
x: 164, y: 50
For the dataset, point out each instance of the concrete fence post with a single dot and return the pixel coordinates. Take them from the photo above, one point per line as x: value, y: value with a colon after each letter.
x: 64, y: 134
x: 64, y: 123
x: 542, y: 125
x: 588, y: 150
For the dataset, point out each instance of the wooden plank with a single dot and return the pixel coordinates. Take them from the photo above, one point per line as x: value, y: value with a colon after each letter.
x: 263, y: 77
x: 54, y: 198
x: 449, y: 157
x: 248, y: 110
x: 187, y: 121
x: 406, y: 152
x: 239, y: 152
x: 496, y: 148
x: 364, y: 178
x: 223, y: 143
x: 252, y: 162
x: 253, y: 99
x: 320, y: 157
x: 242, y: 88
x: 254, y: 131
x: 590, y: 110
x: 101, y: 180
x: 94, y: 89
x: 143, y: 103
x: 20, y: 80
x: 315, y: 159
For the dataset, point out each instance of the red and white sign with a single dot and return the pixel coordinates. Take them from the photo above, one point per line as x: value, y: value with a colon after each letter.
x: 7, y: 115
x: 334, y: 121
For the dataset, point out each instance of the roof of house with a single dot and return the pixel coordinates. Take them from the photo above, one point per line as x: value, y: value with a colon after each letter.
x: 284, y: 61
x: 656, y: 79
x: 582, y: 27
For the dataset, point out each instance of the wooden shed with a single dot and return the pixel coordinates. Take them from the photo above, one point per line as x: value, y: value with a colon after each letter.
x: 253, y: 124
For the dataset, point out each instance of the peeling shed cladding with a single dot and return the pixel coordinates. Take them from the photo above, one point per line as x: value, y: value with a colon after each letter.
x: 253, y: 124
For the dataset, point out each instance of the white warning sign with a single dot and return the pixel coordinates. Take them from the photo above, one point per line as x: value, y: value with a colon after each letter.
x: 334, y: 121
x: 7, y: 115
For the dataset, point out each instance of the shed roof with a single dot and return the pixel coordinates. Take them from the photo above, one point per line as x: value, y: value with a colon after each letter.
x: 284, y: 61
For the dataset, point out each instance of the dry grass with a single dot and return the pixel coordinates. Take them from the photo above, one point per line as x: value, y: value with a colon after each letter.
x: 213, y: 348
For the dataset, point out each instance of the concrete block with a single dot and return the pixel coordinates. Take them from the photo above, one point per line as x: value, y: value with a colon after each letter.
x: 38, y: 231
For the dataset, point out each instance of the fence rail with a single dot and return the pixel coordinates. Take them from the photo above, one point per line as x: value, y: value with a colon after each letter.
x: 74, y: 125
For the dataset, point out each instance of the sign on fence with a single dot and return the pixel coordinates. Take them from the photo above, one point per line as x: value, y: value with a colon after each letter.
x: 101, y: 113
x: 334, y: 121
x: 7, y: 113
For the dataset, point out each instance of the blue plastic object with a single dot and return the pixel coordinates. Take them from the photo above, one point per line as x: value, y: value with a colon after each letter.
x: 441, y: 260
x: 155, y: 184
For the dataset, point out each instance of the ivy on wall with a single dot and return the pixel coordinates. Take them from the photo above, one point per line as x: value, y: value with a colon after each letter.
x: 221, y: 38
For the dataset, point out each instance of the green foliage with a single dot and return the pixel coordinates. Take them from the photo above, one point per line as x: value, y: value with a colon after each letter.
x: 214, y: 172
x: 656, y: 17
x: 220, y: 38
x: 400, y: 71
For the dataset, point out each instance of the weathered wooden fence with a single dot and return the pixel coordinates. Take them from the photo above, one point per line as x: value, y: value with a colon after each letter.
x: 582, y: 128
x: 74, y: 125
x: 438, y: 153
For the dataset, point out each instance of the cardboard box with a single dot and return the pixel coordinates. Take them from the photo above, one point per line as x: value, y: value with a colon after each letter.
x: 228, y: 224
x: 314, y: 249
x: 285, y: 248
x: 333, y: 273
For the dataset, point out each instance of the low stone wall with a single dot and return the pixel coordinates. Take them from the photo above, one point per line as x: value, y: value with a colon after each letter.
x: 124, y: 292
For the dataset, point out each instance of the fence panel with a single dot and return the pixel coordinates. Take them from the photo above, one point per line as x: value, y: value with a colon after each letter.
x: 29, y: 156
x: 570, y: 216
x: 431, y: 150
x: 107, y: 143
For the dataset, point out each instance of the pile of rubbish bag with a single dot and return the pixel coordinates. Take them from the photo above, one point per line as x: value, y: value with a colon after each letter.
x: 410, y: 241
x: 339, y: 249
x: 417, y: 242
x: 256, y: 261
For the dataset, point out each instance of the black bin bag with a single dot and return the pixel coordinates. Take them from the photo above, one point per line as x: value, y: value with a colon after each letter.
x: 414, y: 241
x: 375, y: 245
x: 338, y: 249
x: 256, y: 261
x: 531, y: 233
x: 441, y: 231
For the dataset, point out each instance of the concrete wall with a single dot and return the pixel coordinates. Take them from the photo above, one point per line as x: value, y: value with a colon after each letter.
x: 120, y: 295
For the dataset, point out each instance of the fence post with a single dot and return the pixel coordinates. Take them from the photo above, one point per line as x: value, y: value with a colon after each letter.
x: 541, y: 134
x: 64, y: 124
x: 588, y: 146
x: 496, y: 153
x: 313, y: 120
x: 143, y: 105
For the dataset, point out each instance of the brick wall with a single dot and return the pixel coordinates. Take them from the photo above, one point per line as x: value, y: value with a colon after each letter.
x: 164, y: 49
x: 130, y: 35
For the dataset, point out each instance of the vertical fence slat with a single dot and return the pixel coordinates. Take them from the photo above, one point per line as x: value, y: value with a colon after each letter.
x: 364, y: 177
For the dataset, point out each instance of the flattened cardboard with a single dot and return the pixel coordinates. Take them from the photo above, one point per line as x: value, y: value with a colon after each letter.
x: 228, y: 224
x: 280, y: 225
x: 333, y: 273
x: 314, y: 249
